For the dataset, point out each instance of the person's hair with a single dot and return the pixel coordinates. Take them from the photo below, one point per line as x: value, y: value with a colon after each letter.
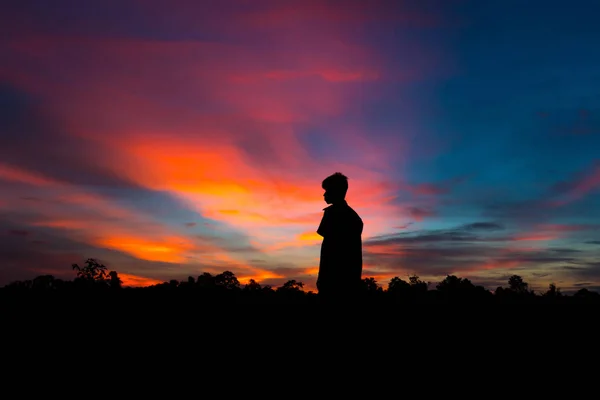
x: 336, y: 184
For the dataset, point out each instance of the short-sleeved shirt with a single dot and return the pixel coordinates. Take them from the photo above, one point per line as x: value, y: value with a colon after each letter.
x: 341, y: 251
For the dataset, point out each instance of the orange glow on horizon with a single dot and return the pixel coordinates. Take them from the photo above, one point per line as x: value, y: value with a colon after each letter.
x: 137, y: 281
x: 259, y: 277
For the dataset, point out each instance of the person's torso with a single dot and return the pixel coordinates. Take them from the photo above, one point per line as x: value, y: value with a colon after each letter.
x: 341, y: 249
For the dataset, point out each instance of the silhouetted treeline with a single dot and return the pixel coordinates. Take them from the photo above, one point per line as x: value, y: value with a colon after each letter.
x: 93, y: 280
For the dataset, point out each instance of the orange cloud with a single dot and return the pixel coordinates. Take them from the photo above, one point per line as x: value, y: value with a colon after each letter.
x: 137, y: 281
x: 383, y: 249
x: 311, y: 271
x: 310, y: 237
x: 165, y: 249
x: 220, y: 184
x: 98, y: 221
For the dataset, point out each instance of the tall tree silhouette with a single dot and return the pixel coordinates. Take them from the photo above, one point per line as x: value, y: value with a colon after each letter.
x: 114, y: 282
x: 206, y: 281
x: 91, y: 271
x: 517, y: 284
x: 227, y: 280
x: 552, y: 291
x: 252, y: 286
x: 398, y: 286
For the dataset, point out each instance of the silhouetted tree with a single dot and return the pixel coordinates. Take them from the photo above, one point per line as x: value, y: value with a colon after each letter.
x: 227, y: 280
x: 18, y: 286
x: 585, y: 294
x: 268, y: 289
x: 188, y: 285
x: 455, y: 288
x: 114, y: 282
x: 398, y: 286
x: 398, y: 289
x: 91, y: 271
x: 205, y: 281
x: 43, y: 282
x: 291, y: 286
x: 552, y: 291
x: 252, y: 286
x: 291, y: 291
x: 517, y: 285
x: 452, y: 283
x: 370, y: 286
x: 417, y: 284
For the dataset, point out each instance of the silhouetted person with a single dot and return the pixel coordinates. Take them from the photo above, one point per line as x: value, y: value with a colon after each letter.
x: 340, y: 268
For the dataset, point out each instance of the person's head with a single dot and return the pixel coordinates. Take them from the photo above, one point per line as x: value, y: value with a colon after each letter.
x: 336, y: 187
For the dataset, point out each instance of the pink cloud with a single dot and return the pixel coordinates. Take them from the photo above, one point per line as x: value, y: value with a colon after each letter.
x: 579, y: 187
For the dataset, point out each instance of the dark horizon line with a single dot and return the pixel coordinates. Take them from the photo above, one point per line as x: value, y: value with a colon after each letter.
x: 370, y: 283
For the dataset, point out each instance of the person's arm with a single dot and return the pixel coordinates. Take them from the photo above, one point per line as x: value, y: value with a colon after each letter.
x: 325, y: 225
x: 359, y: 225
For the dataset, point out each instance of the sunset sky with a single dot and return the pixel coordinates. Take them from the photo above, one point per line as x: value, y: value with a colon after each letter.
x: 172, y: 138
